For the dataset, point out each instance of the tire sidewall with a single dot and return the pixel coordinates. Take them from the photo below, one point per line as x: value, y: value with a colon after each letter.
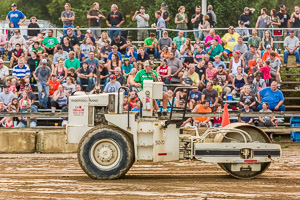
x: 85, y: 154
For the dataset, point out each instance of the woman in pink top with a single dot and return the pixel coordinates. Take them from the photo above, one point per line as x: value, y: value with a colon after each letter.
x: 210, y: 37
x: 210, y: 71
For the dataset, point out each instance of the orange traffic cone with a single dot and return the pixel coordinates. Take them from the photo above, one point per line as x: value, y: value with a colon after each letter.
x: 225, y: 118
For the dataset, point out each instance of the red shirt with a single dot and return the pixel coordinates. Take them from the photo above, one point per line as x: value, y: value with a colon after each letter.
x: 53, y: 86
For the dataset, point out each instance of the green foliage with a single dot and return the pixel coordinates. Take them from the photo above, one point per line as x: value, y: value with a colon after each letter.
x: 227, y: 11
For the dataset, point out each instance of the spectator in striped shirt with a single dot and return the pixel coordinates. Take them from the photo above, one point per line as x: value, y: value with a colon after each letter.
x: 21, y: 70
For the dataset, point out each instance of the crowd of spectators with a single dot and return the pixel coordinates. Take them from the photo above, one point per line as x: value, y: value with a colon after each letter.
x: 242, y: 65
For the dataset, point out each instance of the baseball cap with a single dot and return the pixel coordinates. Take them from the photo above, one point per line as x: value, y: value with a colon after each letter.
x: 112, y: 76
x: 147, y: 63
x: 44, y: 61
x: 88, y: 31
x: 246, y: 8
x: 247, y: 103
x: 164, y: 4
x: 126, y: 59
x: 59, y: 48
x: 241, y: 22
x: 268, y: 46
x: 69, y: 28
x: 116, y: 34
x: 13, y: 5
x: 253, y: 46
x: 291, y: 31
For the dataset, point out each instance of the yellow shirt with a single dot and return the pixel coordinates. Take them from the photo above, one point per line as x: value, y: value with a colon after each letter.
x: 218, y: 88
x: 231, y: 40
x: 195, y: 78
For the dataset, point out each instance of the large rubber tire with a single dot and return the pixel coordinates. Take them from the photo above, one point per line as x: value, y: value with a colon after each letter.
x: 257, y: 135
x: 105, y: 152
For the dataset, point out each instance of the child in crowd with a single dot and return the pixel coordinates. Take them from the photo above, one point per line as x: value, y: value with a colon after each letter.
x: 133, y: 99
x: 217, y: 87
x: 16, y: 54
x: 199, y: 53
x: 125, y: 104
x: 137, y: 107
x: 165, y: 53
x: 252, y: 64
x: 126, y: 67
x: 218, y: 117
x: 12, y: 85
x: 197, y: 43
x: 266, y: 72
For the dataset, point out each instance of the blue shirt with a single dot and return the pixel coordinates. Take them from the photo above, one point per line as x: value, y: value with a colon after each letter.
x: 127, y: 69
x: 246, y: 119
x: 15, y: 16
x: 220, y: 63
x: 21, y: 72
x: 135, y: 55
x: 161, y: 23
x: 111, y: 53
x: 272, y: 98
x: 195, y: 95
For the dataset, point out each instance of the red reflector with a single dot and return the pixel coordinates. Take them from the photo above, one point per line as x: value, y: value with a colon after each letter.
x: 162, y: 154
x: 250, y: 161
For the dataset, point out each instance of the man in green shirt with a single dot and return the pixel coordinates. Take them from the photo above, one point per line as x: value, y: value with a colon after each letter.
x: 215, y: 49
x: 72, y: 62
x: 149, y: 74
x: 50, y: 43
x: 179, y: 40
x: 150, y: 45
x: 254, y: 40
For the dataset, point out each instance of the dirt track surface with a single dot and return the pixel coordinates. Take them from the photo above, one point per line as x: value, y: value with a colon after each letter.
x: 58, y: 176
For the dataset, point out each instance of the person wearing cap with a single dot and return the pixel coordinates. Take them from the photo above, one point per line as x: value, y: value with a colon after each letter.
x: 4, y: 73
x: 262, y: 21
x: 291, y: 44
x: 94, y: 15
x: 33, y: 32
x: 246, y: 108
x: 6, y: 95
x: 17, y: 39
x: 142, y: 22
x: 229, y: 40
x: 15, y: 16
x: 283, y: 16
x: 42, y: 75
x: 266, y: 54
x: 295, y: 20
x: 73, y: 39
x: 120, y: 42
x: 102, y: 72
x: 60, y: 55
x: 164, y: 13
x: 85, y: 76
x: 67, y: 17
x: 246, y: 17
x: 113, y: 85
x: 148, y: 73
x: 243, y: 31
x: 50, y: 43
x: 114, y: 20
